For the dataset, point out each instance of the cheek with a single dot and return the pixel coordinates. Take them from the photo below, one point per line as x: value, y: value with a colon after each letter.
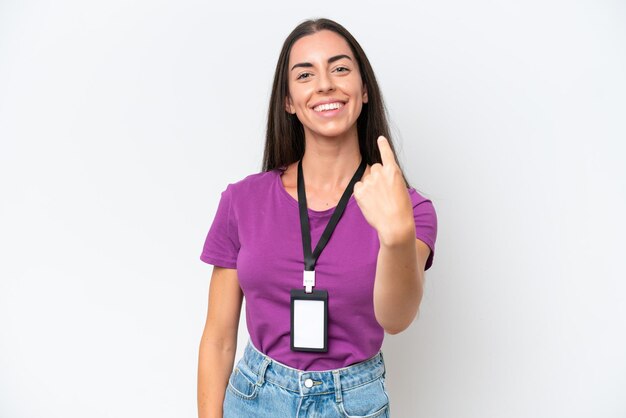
x: 354, y: 88
x: 300, y: 91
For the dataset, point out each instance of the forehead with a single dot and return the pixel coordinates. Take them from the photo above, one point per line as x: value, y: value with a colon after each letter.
x: 319, y: 47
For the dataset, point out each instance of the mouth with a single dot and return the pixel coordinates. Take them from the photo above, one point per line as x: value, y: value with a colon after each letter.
x: 328, y: 107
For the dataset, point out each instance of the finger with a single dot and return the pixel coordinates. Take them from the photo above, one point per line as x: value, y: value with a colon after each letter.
x: 375, y: 169
x: 386, y: 154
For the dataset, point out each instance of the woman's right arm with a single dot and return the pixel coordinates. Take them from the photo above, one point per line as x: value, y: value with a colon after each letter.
x: 219, y: 341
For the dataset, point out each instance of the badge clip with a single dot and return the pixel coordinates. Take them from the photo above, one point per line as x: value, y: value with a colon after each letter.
x: 308, y: 280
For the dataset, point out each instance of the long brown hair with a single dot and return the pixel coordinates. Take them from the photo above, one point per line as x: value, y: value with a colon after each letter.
x: 284, y: 142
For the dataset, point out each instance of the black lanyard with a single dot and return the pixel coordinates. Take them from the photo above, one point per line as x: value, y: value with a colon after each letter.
x: 310, y: 259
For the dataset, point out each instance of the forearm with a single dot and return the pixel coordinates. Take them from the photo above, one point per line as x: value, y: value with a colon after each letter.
x: 398, y: 287
x: 215, y: 364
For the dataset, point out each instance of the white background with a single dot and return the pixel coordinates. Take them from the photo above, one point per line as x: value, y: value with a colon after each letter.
x: 122, y: 121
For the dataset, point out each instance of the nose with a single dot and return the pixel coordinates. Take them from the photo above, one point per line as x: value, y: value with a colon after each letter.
x: 325, y: 83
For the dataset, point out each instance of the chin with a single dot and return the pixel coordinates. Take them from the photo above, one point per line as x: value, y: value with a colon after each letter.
x: 331, y: 132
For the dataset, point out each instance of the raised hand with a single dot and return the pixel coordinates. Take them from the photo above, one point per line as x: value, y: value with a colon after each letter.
x: 384, y: 199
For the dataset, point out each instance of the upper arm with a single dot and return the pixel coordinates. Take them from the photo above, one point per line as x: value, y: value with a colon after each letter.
x: 425, y: 218
x: 225, y: 300
x: 423, y: 251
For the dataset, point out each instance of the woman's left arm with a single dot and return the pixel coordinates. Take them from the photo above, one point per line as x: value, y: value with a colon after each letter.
x: 399, y: 283
x: 386, y: 205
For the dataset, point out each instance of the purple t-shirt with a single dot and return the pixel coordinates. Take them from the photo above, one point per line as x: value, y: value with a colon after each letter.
x: 256, y: 230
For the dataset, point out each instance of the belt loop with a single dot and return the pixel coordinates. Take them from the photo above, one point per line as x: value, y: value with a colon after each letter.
x: 338, y: 397
x: 262, y: 369
x: 383, y: 360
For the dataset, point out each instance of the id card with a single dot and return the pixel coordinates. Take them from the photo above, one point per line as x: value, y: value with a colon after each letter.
x: 309, y: 320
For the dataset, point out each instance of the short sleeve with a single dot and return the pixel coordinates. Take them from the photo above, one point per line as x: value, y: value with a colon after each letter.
x: 221, y: 245
x: 425, y: 223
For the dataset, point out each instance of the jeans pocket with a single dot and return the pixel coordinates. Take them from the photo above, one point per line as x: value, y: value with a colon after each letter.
x: 242, y: 383
x: 366, y: 401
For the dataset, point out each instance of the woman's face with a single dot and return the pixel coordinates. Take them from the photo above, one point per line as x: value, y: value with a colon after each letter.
x: 325, y: 87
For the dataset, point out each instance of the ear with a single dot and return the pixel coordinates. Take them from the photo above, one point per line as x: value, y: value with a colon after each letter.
x: 364, y: 93
x: 289, y: 106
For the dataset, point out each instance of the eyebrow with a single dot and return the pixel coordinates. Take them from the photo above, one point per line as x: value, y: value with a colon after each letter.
x: 330, y: 61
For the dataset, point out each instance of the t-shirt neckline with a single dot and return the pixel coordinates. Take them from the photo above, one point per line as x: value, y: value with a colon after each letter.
x: 293, y: 202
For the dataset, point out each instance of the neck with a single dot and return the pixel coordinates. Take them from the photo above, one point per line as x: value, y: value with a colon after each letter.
x: 329, y: 163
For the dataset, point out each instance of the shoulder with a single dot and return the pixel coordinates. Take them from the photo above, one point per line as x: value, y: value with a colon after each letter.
x: 418, y: 198
x: 251, y: 185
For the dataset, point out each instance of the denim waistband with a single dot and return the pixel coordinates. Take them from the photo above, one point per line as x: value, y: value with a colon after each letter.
x: 320, y: 382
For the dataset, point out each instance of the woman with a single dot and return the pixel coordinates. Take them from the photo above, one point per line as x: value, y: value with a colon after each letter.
x: 316, y: 316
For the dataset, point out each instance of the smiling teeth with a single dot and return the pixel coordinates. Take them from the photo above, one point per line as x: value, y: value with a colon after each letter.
x: 328, y: 106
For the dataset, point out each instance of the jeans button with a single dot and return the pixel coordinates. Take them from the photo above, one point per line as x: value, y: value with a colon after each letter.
x: 308, y: 383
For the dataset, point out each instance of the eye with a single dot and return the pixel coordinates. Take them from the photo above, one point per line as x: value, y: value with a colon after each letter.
x: 303, y: 76
x: 342, y: 69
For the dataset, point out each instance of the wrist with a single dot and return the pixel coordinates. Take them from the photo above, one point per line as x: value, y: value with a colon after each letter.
x: 397, y: 233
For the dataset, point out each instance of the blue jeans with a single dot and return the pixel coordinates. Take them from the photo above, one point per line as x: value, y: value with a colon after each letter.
x: 262, y: 387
